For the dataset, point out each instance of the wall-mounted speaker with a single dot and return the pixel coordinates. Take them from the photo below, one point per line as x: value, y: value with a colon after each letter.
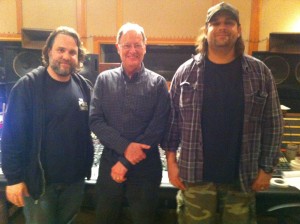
x: 15, y: 62
x: 25, y: 61
x: 90, y: 69
x: 18, y: 62
x: 9, y: 54
x: 285, y: 68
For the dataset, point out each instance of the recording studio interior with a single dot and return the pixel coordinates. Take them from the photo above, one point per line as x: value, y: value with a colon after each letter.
x: 270, y: 29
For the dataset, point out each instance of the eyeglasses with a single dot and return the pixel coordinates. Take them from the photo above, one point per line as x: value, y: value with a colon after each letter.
x: 129, y: 46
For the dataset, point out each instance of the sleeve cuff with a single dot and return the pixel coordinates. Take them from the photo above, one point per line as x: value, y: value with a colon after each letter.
x: 125, y: 162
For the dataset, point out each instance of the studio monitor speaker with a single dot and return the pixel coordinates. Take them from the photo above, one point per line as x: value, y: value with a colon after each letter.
x: 90, y: 68
x: 14, y: 63
x: 285, y: 68
x: 25, y: 61
x: 9, y: 53
x: 18, y: 62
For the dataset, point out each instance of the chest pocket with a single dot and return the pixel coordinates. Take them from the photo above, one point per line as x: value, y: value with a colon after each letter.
x: 258, y: 102
x: 189, y: 97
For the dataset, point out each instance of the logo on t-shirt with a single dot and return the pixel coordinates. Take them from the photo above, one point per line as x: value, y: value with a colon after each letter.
x: 83, y: 106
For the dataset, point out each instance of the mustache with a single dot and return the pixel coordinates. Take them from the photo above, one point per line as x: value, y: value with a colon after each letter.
x: 65, y: 61
x: 223, y: 33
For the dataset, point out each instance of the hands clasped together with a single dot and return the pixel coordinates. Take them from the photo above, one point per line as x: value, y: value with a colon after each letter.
x: 134, y: 153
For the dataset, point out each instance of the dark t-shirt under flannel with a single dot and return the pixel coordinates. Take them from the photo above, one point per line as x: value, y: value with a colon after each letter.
x: 222, y: 120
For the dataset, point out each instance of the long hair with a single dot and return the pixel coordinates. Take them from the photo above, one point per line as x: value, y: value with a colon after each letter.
x: 66, y: 31
x: 202, y: 44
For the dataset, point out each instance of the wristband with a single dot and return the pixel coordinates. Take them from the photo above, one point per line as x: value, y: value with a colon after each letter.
x: 268, y: 170
x: 125, y: 162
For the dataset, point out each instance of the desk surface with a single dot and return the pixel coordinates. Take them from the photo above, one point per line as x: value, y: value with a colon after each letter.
x: 166, y: 184
x: 264, y: 200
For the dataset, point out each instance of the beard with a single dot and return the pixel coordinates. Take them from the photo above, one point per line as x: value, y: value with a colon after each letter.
x: 56, y: 67
x: 226, y: 41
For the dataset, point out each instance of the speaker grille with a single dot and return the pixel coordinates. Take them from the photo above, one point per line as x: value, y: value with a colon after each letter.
x: 285, y: 69
x: 279, y: 66
x: 25, y: 61
x: 9, y: 54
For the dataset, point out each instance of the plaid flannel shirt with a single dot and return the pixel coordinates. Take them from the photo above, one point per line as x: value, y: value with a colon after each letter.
x: 262, y: 126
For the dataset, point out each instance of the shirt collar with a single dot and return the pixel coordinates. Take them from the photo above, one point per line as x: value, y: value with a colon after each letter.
x: 135, y: 76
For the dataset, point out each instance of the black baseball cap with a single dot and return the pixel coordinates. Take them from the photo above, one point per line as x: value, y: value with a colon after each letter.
x: 223, y: 6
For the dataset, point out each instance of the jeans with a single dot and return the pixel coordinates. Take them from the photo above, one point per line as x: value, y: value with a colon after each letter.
x: 59, y: 205
x: 3, y: 210
x: 141, y: 192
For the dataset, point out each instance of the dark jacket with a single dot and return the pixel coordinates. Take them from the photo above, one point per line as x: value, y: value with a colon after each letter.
x: 23, y: 132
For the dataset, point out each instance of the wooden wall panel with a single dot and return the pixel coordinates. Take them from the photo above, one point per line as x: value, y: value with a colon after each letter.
x: 171, y: 19
x: 49, y: 14
x: 8, y: 17
x: 254, y: 26
x: 168, y: 18
x: 278, y: 16
x: 101, y: 18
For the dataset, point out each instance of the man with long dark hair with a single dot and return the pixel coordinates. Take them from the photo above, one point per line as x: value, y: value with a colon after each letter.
x: 226, y: 118
x: 46, y: 148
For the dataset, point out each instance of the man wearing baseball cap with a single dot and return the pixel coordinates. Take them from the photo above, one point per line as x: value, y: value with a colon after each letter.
x: 225, y: 7
x: 226, y: 118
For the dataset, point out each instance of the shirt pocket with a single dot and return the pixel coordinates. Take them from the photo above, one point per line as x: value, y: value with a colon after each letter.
x: 189, y: 97
x: 258, y: 102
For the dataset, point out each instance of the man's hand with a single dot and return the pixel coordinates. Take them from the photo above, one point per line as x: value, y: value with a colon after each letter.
x: 118, y: 172
x: 173, y: 171
x: 262, y: 181
x: 134, y: 153
x: 16, y: 192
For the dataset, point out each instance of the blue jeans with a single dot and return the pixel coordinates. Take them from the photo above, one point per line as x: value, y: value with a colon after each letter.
x: 59, y: 205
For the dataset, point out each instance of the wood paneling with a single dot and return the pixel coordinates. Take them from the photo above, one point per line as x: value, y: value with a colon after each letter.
x: 119, y: 14
x: 19, y: 14
x: 81, y: 20
x: 254, y: 26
